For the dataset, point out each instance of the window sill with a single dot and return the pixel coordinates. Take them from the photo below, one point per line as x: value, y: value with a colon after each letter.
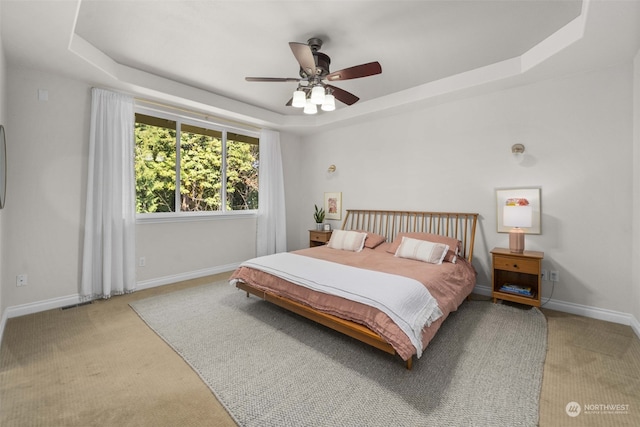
x: 193, y: 216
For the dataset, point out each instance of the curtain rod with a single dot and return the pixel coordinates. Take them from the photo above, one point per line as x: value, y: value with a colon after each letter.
x: 203, y: 115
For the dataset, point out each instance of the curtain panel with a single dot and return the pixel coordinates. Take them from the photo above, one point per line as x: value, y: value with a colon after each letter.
x: 271, y: 224
x: 108, y: 264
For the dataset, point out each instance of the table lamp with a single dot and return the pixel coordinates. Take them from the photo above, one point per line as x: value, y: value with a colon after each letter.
x: 517, y: 214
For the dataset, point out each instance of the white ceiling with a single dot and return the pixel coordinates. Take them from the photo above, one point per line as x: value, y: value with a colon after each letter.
x: 426, y: 48
x: 214, y: 45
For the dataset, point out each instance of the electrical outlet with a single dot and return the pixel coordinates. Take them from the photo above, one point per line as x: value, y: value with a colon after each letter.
x: 142, y: 261
x: 544, y: 275
x: 554, y: 276
x: 21, y: 280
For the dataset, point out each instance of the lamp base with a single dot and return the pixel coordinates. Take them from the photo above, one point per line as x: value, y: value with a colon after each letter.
x: 516, y: 240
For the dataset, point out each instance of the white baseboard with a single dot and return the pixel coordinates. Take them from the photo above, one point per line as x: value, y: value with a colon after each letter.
x: 36, y: 307
x: 482, y: 290
x: 635, y: 325
x: 3, y: 322
x: 581, y: 310
x: 54, y: 303
x: 174, y: 278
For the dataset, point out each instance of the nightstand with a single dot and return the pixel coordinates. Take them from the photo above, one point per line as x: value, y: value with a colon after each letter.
x: 513, y: 274
x: 318, y: 237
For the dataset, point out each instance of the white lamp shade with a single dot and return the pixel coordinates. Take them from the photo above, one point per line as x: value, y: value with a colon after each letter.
x: 310, y: 107
x: 517, y: 216
x: 329, y: 103
x: 299, y: 99
x: 317, y: 95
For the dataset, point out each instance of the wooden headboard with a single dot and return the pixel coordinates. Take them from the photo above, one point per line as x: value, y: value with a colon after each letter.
x: 461, y: 226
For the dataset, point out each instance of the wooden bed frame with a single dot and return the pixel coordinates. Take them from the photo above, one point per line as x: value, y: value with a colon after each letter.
x: 461, y: 226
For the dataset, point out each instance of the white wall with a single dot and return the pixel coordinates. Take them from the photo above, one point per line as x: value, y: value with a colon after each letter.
x: 47, y: 155
x: 43, y: 222
x: 200, y: 247
x: 578, y: 137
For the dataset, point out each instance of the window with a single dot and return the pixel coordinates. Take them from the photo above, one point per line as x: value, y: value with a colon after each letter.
x: 187, y: 166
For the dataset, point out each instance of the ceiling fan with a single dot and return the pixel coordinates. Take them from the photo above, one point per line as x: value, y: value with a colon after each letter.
x: 314, y: 72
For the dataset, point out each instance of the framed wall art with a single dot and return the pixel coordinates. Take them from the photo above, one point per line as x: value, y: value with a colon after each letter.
x: 333, y: 205
x: 532, y: 197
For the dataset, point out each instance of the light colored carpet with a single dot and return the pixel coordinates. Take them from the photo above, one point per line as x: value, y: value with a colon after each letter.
x: 593, y: 363
x: 270, y: 367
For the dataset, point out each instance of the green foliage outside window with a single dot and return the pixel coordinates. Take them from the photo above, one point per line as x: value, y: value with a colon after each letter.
x: 155, y: 166
x: 201, y: 168
x: 242, y: 175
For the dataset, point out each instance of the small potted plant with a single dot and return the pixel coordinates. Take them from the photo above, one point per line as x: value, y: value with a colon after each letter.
x: 318, y: 216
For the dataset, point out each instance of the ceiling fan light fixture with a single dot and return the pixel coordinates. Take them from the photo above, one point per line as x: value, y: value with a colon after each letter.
x: 299, y: 99
x: 317, y: 95
x: 329, y: 103
x: 310, y: 107
x: 313, y: 86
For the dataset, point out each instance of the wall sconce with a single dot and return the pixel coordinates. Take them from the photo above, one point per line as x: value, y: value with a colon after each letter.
x: 518, y: 152
x: 517, y: 149
x: 331, y: 169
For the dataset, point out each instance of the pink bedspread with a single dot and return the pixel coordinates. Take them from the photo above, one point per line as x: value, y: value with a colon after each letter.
x: 448, y: 283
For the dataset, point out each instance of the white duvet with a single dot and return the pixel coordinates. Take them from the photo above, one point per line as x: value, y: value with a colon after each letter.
x: 406, y: 301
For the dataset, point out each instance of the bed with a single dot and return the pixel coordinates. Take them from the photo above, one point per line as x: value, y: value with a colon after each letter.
x: 388, y: 233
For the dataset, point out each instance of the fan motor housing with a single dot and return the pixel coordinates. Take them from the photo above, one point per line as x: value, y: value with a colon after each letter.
x: 322, y: 65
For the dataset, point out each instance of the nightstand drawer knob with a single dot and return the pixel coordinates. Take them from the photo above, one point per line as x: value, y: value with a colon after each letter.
x: 515, y: 265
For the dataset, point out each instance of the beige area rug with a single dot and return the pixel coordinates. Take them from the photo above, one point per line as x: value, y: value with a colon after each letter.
x: 270, y: 367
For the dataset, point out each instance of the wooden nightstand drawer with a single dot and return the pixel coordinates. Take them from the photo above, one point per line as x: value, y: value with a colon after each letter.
x: 519, y: 265
x: 318, y: 237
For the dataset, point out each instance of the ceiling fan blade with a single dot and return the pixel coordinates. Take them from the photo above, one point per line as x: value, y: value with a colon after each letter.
x: 364, y: 70
x: 304, y: 56
x: 272, y: 79
x: 343, y: 96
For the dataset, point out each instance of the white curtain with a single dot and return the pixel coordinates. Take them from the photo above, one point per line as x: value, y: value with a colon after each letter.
x: 272, y: 231
x: 108, y: 264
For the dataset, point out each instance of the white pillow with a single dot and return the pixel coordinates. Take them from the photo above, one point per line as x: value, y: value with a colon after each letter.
x: 422, y: 250
x: 347, y: 240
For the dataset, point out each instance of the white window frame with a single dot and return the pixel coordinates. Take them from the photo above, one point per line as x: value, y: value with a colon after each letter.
x: 193, y: 120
